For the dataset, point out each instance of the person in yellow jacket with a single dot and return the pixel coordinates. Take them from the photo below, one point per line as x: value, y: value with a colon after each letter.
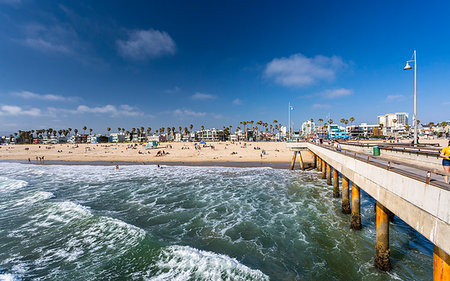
x: 445, y: 153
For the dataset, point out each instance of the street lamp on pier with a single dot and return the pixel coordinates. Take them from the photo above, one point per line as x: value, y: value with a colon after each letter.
x: 408, y: 67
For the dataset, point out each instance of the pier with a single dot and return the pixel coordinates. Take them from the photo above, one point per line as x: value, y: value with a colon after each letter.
x: 408, y: 189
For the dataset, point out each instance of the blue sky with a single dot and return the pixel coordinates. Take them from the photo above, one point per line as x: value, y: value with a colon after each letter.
x: 172, y: 63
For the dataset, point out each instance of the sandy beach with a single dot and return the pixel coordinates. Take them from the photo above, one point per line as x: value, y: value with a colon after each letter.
x: 264, y: 152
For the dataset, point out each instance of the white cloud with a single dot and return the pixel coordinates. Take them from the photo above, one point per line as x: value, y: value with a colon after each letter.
x: 237, y: 101
x: 188, y: 112
x: 145, y: 44
x: 201, y: 96
x: 320, y: 106
x: 48, y: 97
x: 299, y: 70
x: 392, y: 98
x: 123, y: 110
x: 17, y: 110
x: 336, y: 93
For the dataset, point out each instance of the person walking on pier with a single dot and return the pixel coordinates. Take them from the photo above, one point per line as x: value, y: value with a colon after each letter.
x: 445, y: 153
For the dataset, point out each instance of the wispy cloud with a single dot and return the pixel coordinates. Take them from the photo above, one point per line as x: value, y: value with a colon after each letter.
x: 47, y: 97
x: 56, y: 38
x: 122, y: 110
x: 237, y: 101
x: 15, y: 110
x: 173, y: 90
x: 320, y: 106
x: 188, y: 112
x: 336, y: 93
x: 392, y: 98
x: 146, y: 44
x: 201, y: 96
x: 299, y: 70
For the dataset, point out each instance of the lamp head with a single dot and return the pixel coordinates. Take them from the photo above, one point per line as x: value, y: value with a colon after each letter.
x: 407, y: 66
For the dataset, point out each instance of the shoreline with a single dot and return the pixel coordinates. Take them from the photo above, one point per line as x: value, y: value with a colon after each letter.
x: 278, y: 165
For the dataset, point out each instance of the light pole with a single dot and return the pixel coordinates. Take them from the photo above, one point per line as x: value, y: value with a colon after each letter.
x: 408, y: 67
x: 290, y: 108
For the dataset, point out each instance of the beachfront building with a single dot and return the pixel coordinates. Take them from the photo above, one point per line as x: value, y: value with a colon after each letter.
x: 392, y: 120
x: 308, y: 128
x: 207, y: 135
x: 337, y: 132
x: 362, y: 130
x: 116, y: 137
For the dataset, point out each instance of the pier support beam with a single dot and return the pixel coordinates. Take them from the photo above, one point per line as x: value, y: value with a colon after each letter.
x: 328, y: 174
x: 300, y: 159
x: 382, y: 250
x: 315, y: 161
x: 324, y: 169
x: 355, y: 221
x: 293, y: 161
x: 441, y: 264
x: 319, y: 164
x: 345, y: 196
x: 335, y: 183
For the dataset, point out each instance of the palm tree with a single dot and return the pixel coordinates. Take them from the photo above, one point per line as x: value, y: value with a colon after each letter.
x: 203, y: 127
x: 351, y: 120
x: 90, y: 130
x: 191, y: 127
x: 84, y: 130
x: 108, y: 129
x: 149, y: 130
x: 119, y: 129
x: 179, y: 129
x: 75, y: 131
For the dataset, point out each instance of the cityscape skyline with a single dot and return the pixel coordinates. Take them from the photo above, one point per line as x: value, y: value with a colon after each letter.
x: 83, y: 63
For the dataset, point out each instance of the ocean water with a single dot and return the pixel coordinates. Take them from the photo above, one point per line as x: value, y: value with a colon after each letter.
x: 81, y: 222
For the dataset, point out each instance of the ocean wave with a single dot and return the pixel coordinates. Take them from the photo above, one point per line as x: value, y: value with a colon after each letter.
x: 7, y: 184
x: 34, y: 198
x: 186, y: 263
x: 7, y: 277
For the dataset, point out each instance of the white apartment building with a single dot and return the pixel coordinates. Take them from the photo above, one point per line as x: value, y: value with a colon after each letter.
x: 387, y: 120
x: 308, y: 128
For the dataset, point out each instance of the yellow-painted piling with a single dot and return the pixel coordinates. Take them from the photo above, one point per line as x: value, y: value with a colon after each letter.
x: 441, y: 264
x: 382, y: 251
x: 335, y: 183
x: 328, y: 174
x: 355, y: 221
x: 345, y: 196
x: 324, y: 169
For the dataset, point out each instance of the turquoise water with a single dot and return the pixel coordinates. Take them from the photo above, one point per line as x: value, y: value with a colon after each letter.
x: 189, y: 223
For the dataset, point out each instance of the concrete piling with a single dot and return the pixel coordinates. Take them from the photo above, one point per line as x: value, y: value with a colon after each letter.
x: 315, y: 161
x: 335, y: 183
x: 355, y: 221
x: 382, y: 251
x: 293, y: 161
x: 328, y: 174
x: 441, y: 264
x: 345, y: 196
x: 324, y: 169
x: 300, y: 159
x: 319, y: 164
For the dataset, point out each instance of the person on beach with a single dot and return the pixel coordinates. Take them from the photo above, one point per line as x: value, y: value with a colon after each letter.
x: 445, y: 153
x: 117, y: 167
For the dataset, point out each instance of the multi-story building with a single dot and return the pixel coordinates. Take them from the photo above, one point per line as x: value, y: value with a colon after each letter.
x: 387, y: 120
x: 308, y: 128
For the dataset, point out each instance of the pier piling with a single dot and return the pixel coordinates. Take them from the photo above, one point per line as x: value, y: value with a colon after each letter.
x: 328, y: 174
x: 345, y: 196
x: 324, y: 169
x: 300, y: 159
x: 335, y: 183
x: 293, y: 161
x: 315, y: 161
x: 382, y: 250
x: 441, y: 264
x: 319, y: 164
x: 355, y: 221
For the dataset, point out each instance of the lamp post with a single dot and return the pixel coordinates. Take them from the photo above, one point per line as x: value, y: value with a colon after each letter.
x: 289, y: 110
x: 408, y: 67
